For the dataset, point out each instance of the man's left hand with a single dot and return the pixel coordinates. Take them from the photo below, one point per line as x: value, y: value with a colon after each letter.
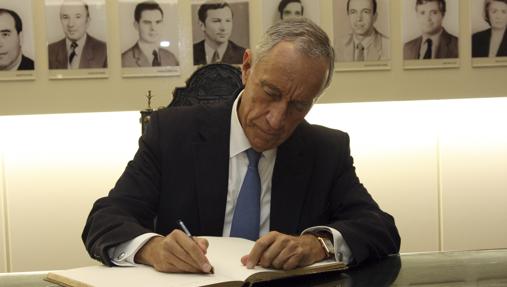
x: 281, y: 251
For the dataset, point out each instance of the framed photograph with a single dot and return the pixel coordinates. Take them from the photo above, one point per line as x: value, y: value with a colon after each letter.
x: 220, y: 31
x: 276, y: 10
x: 149, y: 38
x: 17, y: 52
x: 489, y: 32
x: 77, y: 38
x: 362, y: 34
x: 430, y: 34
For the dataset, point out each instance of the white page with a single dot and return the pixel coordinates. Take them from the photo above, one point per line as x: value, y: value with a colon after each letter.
x: 224, y: 253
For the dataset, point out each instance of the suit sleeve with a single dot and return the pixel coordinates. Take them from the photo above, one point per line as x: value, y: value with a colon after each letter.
x: 369, y: 232
x: 130, y: 208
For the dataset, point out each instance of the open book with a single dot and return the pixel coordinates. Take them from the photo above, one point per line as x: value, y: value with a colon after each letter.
x: 224, y: 254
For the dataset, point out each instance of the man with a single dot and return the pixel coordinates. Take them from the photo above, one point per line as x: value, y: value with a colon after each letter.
x: 148, y: 21
x: 11, y: 35
x: 290, y: 9
x: 201, y: 163
x: 364, y: 43
x: 215, y: 21
x: 435, y: 42
x: 78, y: 50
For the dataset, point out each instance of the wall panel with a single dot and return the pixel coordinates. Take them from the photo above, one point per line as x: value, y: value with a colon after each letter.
x: 57, y: 166
x: 3, y: 206
x: 474, y: 176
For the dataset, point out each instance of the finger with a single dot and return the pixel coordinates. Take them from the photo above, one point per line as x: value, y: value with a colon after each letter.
x: 293, y: 262
x: 176, y: 253
x: 289, y: 250
x: 174, y: 264
x: 244, y: 260
x: 273, y: 251
x: 194, y: 255
x: 203, y: 244
x: 259, y: 248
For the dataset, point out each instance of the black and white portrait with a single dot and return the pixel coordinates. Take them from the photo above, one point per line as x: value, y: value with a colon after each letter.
x: 16, y: 36
x: 489, y: 28
x: 76, y: 34
x: 361, y: 30
x: 220, y: 31
x: 276, y: 10
x: 148, y: 33
x: 430, y: 29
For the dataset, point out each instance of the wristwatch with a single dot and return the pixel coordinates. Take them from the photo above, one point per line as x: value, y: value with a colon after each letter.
x: 327, y: 245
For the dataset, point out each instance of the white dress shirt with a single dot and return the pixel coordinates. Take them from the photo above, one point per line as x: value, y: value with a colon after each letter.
x: 123, y: 254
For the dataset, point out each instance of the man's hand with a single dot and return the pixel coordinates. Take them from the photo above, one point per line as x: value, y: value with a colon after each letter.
x: 175, y: 253
x: 281, y: 251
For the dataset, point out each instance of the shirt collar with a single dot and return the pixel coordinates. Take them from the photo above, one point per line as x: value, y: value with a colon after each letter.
x: 238, y: 140
x: 366, y: 42
x: 147, y: 49
x: 80, y: 44
x: 210, y: 51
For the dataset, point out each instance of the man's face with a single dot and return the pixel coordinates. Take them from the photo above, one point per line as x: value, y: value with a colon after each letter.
x: 150, y: 26
x: 74, y: 20
x: 279, y: 92
x: 218, y: 25
x: 10, y: 46
x: 361, y: 16
x: 429, y: 17
x: 292, y: 10
x: 497, y: 11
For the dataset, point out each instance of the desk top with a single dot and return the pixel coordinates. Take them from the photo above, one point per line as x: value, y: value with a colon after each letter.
x: 460, y: 268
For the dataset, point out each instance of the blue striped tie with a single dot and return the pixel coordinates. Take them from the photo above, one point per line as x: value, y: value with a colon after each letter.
x: 246, y: 219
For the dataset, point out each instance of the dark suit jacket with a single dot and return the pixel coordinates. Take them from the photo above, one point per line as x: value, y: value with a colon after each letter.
x: 94, y: 54
x: 180, y: 171
x: 26, y: 63
x: 134, y: 57
x: 448, y: 47
x: 480, y: 44
x: 233, y: 54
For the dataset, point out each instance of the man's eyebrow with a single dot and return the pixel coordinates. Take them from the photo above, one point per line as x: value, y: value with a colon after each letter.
x: 272, y: 87
x: 5, y: 30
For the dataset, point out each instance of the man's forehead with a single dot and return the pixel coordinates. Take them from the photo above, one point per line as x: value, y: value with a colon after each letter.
x: 361, y: 3
x: 151, y: 12
x: 6, y: 20
x: 73, y: 7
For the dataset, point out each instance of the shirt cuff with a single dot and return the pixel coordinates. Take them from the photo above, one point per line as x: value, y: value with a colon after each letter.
x: 342, y: 251
x: 123, y: 254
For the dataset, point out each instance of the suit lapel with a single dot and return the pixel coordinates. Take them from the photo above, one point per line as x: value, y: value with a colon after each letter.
x: 62, y: 55
x: 291, y: 174
x: 87, y: 57
x: 444, y: 46
x: 211, y: 150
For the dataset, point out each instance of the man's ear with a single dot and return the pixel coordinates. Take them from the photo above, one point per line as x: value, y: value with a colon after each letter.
x: 202, y: 26
x: 246, y: 66
x: 136, y: 26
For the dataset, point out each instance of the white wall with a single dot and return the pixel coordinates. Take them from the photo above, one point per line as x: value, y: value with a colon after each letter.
x: 439, y: 167
x: 3, y: 233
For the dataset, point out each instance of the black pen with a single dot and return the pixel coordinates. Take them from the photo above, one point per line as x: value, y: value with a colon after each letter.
x: 187, y: 232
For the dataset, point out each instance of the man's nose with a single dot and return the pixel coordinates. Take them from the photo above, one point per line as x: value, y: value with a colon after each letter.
x: 277, y: 115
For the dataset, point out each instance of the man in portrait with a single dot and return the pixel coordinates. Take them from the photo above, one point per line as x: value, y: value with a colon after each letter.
x: 364, y: 42
x: 11, y: 38
x: 290, y: 9
x: 78, y: 50
x: 216, y: 23
x: 147, y: 52
x: 435, y: 42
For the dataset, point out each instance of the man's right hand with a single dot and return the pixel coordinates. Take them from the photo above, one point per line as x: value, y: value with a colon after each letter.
x: 175, y: 253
